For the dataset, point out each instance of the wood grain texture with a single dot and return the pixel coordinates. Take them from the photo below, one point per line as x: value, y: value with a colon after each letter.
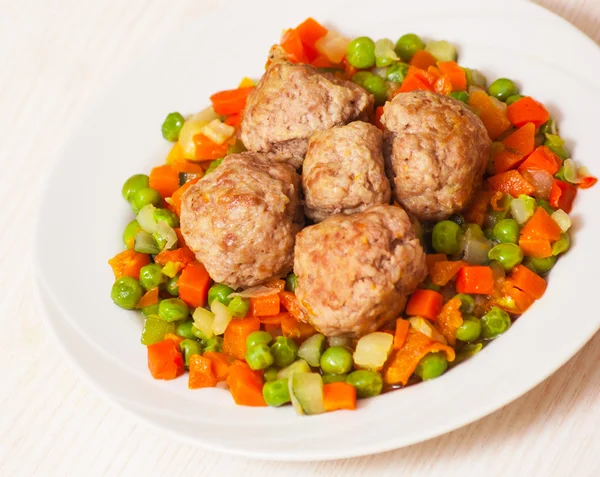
x: 57, y: 54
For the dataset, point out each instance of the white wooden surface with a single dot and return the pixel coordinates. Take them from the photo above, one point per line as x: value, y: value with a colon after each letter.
x: 54, y: 56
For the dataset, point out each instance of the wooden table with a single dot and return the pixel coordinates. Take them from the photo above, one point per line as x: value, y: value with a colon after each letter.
x: 57, y: 54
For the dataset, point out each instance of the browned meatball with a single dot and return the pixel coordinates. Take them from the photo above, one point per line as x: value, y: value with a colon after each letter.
x: 291, y: 102
x: 343, y: 171
x: 436, y: 152
x: 355, y: 271
x: 241, y: 219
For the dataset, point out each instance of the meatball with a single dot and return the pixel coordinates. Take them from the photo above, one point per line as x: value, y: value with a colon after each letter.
x: 241, y: 219
x: 436, y: 152
x: 355, y: 271
x: 293, y: 101
x: 343, y: 171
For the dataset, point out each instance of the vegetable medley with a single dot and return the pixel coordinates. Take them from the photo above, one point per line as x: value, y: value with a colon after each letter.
x: 486, y: 267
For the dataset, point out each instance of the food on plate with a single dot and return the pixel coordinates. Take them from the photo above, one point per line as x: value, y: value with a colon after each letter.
x: 293, y: 101
x: 437, y: 151
x: 235, y: 287
x: 343, y: 171
x: 241, y: 220
x: 355, y: 272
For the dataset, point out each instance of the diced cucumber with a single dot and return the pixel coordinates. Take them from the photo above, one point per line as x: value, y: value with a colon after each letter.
x: 312, y: 349
x: 306, y: 391
x: 298, y: 366
x: 442, y: 50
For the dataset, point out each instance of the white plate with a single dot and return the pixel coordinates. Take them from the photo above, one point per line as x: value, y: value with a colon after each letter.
x: 121, y: 136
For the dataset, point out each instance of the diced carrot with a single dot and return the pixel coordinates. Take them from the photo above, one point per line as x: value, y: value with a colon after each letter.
x: 496, y: 198
x: 475, y: 213
x: 403, y: 362
x: 181, y: 255
x: 165, y: 360
x: 220, y: 364
x: 527, y: 110
x: 522, y: 141
x: 434, y: 73
x: 445, y: 271
x: 173, y: 337
x: 175, y: 154
x: 207, y: 150
x: 562, y: 195
x: 587, y: 182
x: 423, y: 59
x: 443, y: 85
x: 432, y: 258
x: 449, y: 320
x: 292, y: 44
x: 149, y: 298
x: 164, y: 179
x: 275, y: 319
x: 416, y: 79
x: 201, y: 373
x: 537, y: 248
x: 290, y: 303
x: 511, y: 182
x: 528, y: 281
x: 265, y: 305
x: 402, y: 327
x: 128, y: 263
x: 541, y: 226
x: 425, y: 303
x: 234, y: 339
x: 542, y: 159
x: 338, y: 396
x: 232, y: 101
x: 310, y: 31
x: 292, y: 328
x: 378, y: 114
x: 521, y: 299
x: 178, y: 194
x: 234, y: 119
x: 505, y: 160
x: 321, y: 61
x: 245, y: 385
x: 457, y: 75
x: 494, y: 119
x: 183, y: 165
x: 275, y: 283
x: 194, y: 283
x: 475, y: 280
x: 273, y: 328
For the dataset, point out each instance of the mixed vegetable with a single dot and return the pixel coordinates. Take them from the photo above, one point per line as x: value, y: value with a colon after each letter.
x: 486, y: 266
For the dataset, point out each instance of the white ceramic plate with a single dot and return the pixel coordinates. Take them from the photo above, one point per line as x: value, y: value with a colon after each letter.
x: 121, y: 136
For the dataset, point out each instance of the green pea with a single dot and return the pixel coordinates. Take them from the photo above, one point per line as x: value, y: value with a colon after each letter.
x: 513, y: 99
x: 220, y: 293
x: 507, y: 231
x: 184, y: 329
x: 336, y: 360
x: 429, y: 285
x: 466, y: 352
x: 151, y: 276
x: 376, y: 86
x: 557, y: 145
x: 334, y: 378
x: 258, y: 337
x: 133, y: 184
x: 126, y: 292
x: 494, y: 323
x: 173, y: 309
x: 276, y: 393
x: 213, y: 165
x: 467, y: 303
x: 238, y: 307
x: 460, y: 95
x: 367, y: 383
x: 171, y: 126
x: 432, y: 366
x: 469, y: 330
x: 561, y: 245
x: 172, y: 286
x: 544, y: 204
x: 270, y: 373
x: 142, y: 197
x: 360, y: 77
x: 540, y: 265
x: 508, y: 254
x: 155, y: 330
x: 150, y: 310
x: 259, y: 357
x: 396, y: 72
x: 502, y: 89
x: 360, y: 53
x: 446, y: 237
x: 130, y: 232
x: 284, y: 351
x: 291, y: 282
x: 214, y: 344
x: 198, y: 334
x: 166, y: 216
x: 189, y: 348
x: 407, y: 45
